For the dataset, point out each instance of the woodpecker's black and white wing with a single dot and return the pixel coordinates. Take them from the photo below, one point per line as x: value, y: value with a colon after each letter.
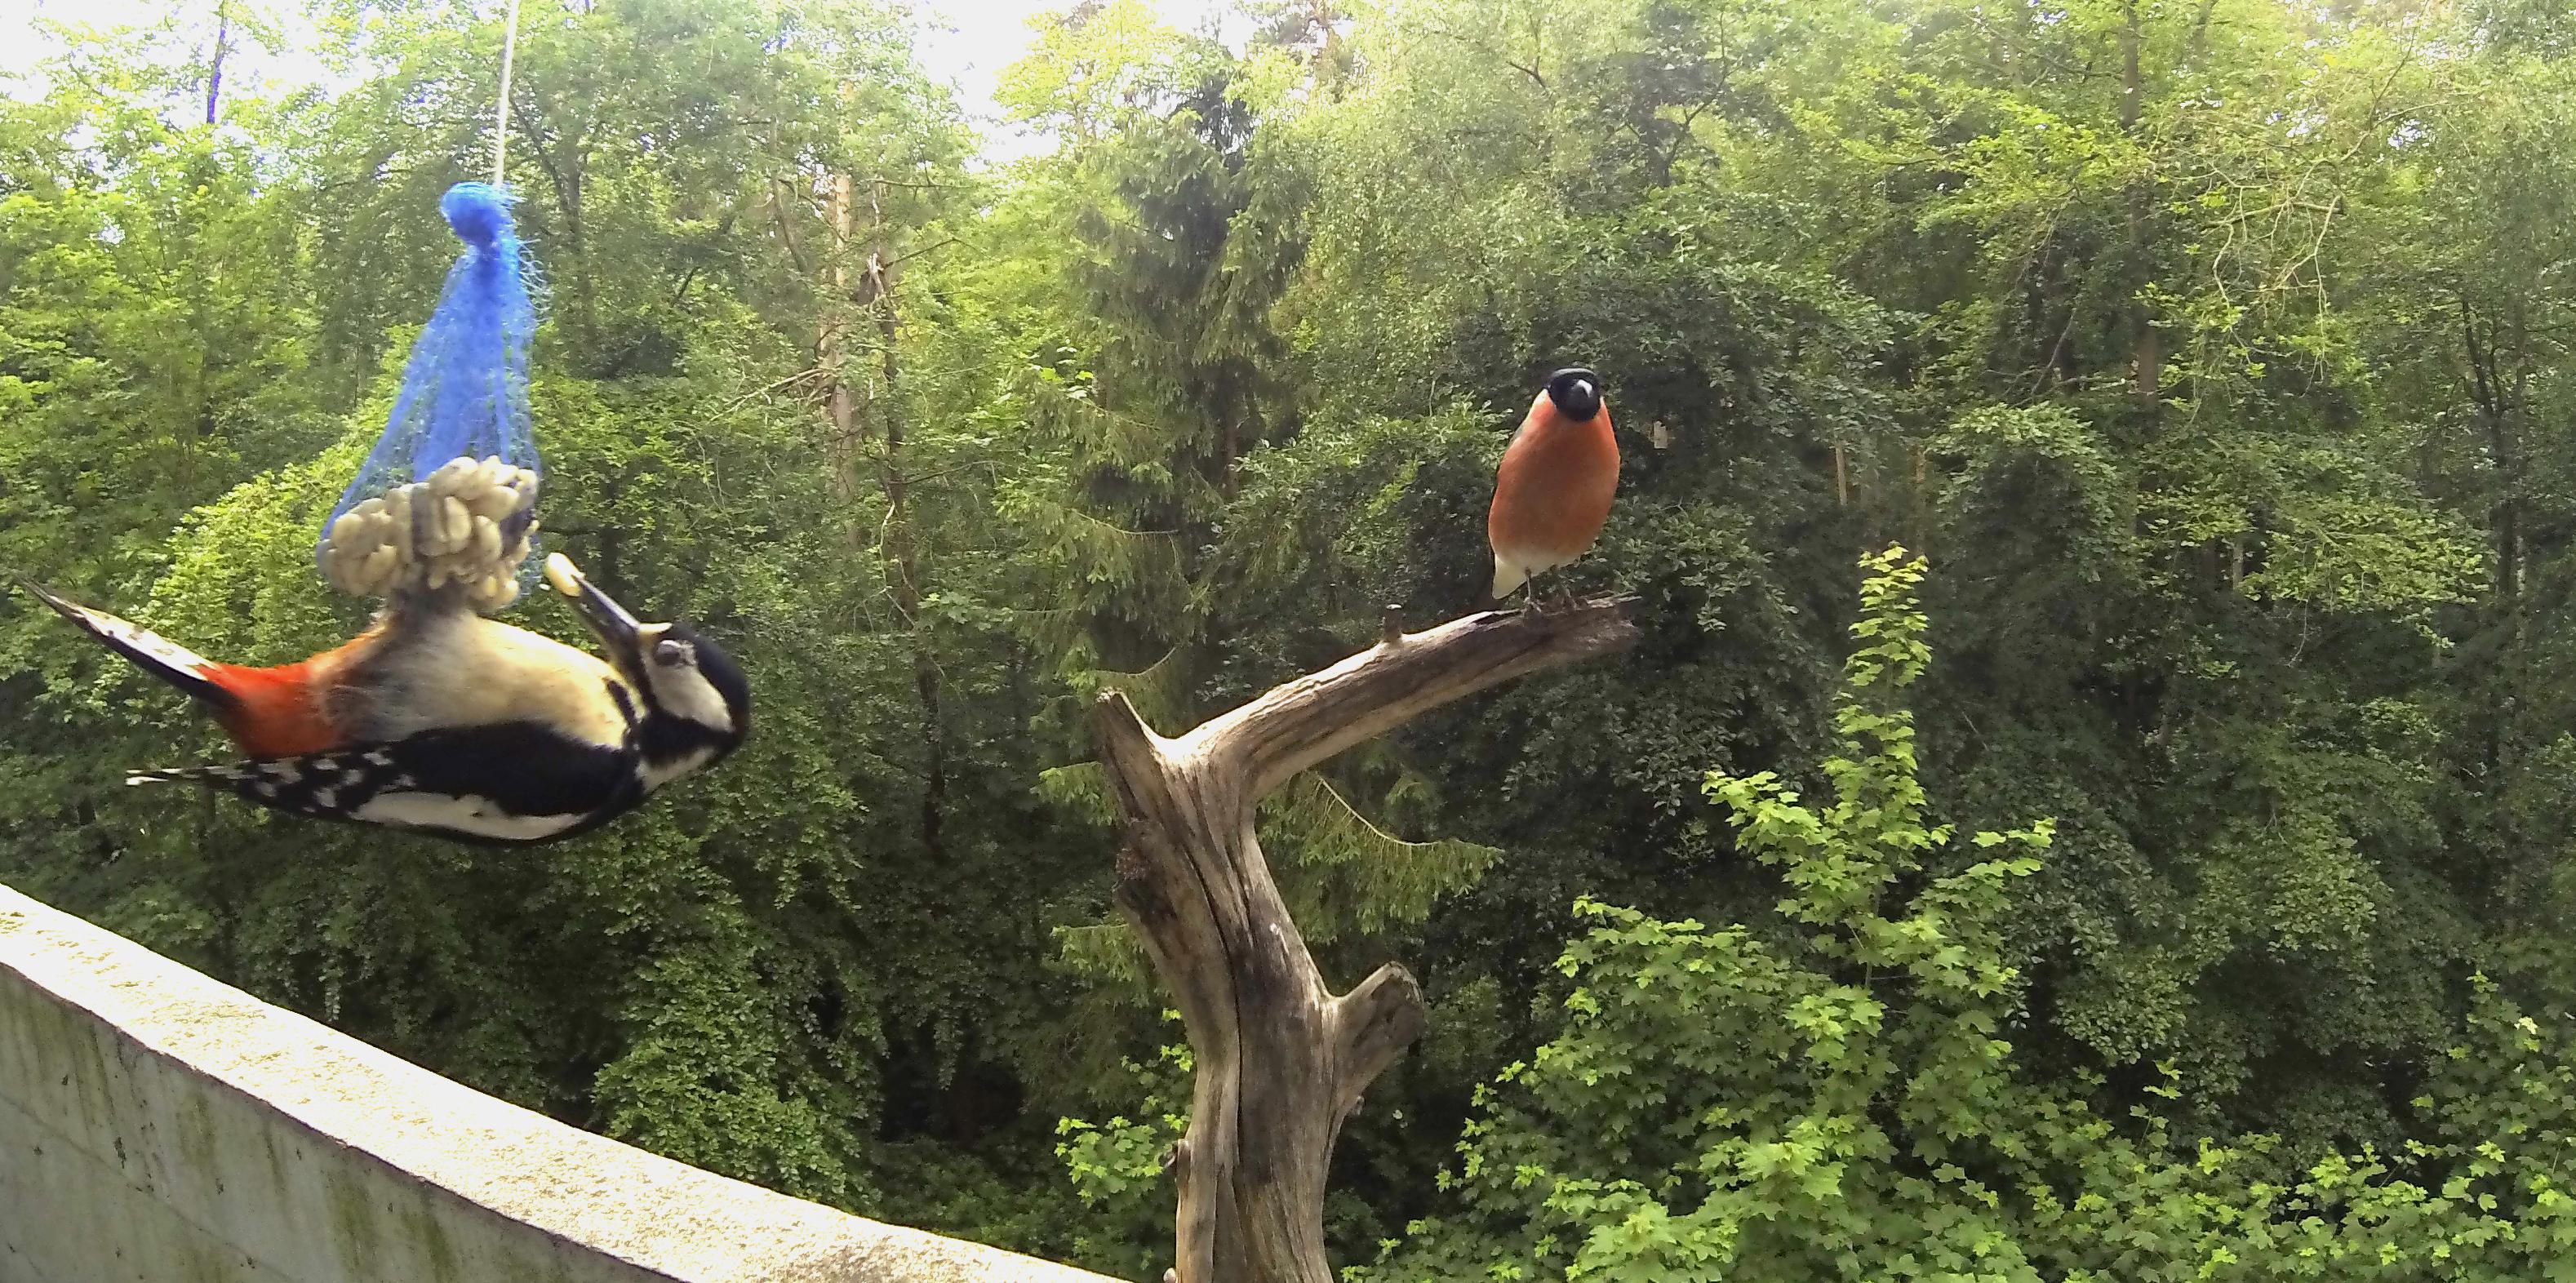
x: 511, y: 783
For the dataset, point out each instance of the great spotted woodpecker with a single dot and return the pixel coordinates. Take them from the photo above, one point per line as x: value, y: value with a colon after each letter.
x: 439, y: 720
x: 1553, y: 491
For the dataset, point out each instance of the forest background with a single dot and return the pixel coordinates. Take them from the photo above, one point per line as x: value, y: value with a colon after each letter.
x: 2168, y: 876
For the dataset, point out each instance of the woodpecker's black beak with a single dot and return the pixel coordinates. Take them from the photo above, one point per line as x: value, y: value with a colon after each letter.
x: 619, y: 632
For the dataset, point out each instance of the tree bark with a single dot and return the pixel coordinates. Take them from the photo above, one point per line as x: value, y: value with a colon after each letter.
x: 2147, y: 364
x: 841, y: 445
x: 1282, y: 1061
x: 903, y: 556
x: 2489, y: 390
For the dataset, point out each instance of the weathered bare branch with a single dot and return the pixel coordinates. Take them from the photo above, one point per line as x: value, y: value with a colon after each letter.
x: 1281, y: 1061
x: 1316, y: 716
x: 1373, y: 1024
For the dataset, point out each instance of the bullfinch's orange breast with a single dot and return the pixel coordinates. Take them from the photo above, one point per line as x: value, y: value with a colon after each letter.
x: 1557, y: 480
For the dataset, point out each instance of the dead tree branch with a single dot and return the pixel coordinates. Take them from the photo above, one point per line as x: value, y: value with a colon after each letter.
x: 1281, y: 1060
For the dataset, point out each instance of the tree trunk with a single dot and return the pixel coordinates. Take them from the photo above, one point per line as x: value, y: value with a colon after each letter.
x: 2490, y: 391
x: 2147, y: 365
x: 841, y: 445
x: 1281, y: 1061
x: 902, y: 553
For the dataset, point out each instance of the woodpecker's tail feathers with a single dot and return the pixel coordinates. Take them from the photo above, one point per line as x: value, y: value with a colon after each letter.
x: 225, y: 776
x: 249, y: 779
x: 148, y: 650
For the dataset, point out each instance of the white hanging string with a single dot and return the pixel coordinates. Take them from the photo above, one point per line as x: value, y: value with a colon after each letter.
x: 501, y: 118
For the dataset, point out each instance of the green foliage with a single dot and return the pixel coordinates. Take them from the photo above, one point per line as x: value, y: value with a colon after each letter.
x: 2215, y: 351
x: 745, y: 978
x: 1828, y: 1093
x: 1117, y: 1166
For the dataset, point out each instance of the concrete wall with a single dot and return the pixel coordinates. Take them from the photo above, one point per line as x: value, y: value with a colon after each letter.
x: 159, y: 1127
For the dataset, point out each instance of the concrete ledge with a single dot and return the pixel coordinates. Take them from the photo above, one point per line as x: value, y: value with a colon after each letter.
x: 157, y: 1126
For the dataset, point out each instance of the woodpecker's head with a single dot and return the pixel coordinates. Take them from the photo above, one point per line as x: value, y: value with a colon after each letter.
x: 1576, y: 393
x: 697, y: 704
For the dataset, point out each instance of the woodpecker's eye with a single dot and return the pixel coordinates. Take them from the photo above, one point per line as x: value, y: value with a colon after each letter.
x: 670, y: 653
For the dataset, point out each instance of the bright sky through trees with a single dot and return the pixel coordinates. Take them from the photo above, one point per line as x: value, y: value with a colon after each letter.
x: 964, y: 41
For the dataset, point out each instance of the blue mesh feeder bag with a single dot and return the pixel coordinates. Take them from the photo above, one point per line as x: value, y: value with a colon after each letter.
x: 445, y: 505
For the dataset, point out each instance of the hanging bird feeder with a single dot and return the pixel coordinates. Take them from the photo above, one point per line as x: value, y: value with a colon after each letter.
x: 445, y: 504
x: 447, y: 498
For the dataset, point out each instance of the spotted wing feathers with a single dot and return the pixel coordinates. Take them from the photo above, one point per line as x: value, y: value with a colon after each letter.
x: 511, y: 783
x: 335, y: 784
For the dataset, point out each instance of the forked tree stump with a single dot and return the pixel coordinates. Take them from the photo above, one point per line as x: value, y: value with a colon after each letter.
x: 1281, y: 1061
